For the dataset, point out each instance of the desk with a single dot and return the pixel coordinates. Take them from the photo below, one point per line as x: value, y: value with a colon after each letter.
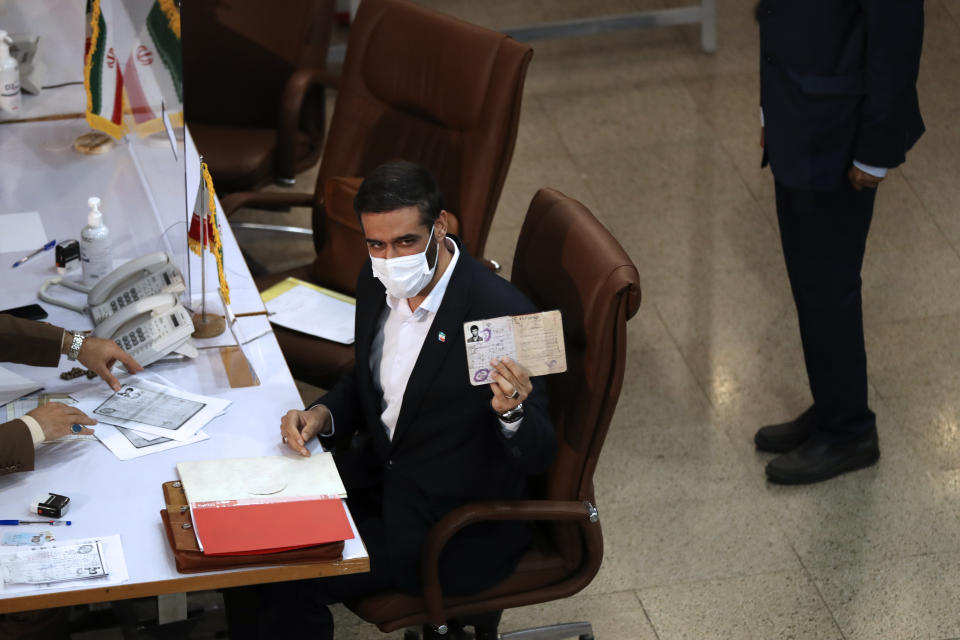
x: 39, y: 168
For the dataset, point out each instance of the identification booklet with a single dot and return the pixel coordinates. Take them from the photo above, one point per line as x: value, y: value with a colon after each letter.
x: 535, y: 340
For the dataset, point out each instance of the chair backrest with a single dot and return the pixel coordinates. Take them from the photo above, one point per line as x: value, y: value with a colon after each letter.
x: 565, y: 259
x: 239, y: 54
x: 422, y: 86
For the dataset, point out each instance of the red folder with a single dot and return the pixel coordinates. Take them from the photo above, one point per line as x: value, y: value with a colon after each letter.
x: 234, y: 527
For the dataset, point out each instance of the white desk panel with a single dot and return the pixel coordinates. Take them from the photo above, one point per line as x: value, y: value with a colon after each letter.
x: 40, y: 172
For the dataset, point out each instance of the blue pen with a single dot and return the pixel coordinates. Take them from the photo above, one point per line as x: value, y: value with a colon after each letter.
x: 46, y: 247
x: 53, y: 522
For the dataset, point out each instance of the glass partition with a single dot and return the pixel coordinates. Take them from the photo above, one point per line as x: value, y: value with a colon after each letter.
x: 129, y: 51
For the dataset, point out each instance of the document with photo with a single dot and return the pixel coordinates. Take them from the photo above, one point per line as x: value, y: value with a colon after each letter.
x: 535, y: 340
x: 150, y: 408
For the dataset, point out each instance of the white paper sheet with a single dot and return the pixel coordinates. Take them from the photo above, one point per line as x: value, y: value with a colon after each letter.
x: 22, y: 232
x: 111, y: 554
x: 128, y: 444
x: 309, y: 310
x: 150, y: 408
x: 13, y: 386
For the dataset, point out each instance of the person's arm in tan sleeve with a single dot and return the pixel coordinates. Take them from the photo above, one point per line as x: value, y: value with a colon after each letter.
x: 27, y: 342
x: 16, y: 447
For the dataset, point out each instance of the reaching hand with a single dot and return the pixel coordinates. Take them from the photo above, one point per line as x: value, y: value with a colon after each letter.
x: 861, y: 179
x: 57, y: 419
x: 99, y: 355
x: 511, y: 385
x: 297, y: 427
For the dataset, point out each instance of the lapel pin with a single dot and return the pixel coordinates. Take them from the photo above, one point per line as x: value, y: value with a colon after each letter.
x: 442, y: 337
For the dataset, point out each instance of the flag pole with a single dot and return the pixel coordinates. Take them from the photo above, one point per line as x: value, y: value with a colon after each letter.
x: 203, y: 259
x: 214, y: 325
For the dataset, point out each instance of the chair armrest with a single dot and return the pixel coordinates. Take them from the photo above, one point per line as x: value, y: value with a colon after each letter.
x: 450, y: 524
x: 265, y: 199
x: 288, y: 121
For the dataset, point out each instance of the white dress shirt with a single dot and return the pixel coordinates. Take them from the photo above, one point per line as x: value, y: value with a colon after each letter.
x: 397, y: 343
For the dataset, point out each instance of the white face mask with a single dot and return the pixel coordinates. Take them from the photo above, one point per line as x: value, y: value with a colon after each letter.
x: 405, y: 276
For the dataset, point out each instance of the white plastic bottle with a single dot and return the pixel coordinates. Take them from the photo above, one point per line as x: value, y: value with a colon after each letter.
x: 9, y: 80
x: 95, y: 246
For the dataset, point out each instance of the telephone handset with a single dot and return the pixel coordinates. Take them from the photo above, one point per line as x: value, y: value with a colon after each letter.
x: 136, y: 306
x: 142, y: 277
x: 150, y: 328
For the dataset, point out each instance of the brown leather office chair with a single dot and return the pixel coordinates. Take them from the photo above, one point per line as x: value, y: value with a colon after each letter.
x: 252, y: 97
x: 565, y: 259
x: 416, y: 85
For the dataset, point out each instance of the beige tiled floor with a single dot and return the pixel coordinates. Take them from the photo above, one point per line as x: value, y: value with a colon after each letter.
x: 660, y: 141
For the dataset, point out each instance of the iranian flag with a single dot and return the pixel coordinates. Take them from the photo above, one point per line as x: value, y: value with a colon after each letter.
x: 153, y: 72
x: 102, y: 75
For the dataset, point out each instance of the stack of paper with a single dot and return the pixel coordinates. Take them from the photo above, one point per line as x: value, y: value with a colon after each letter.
x: 305, y: 307
x: 145, y: 417
x: 261, y: 505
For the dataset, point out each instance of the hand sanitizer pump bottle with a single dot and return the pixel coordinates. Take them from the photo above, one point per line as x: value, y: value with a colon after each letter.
x: 95, y: 246
x: 9, y: 80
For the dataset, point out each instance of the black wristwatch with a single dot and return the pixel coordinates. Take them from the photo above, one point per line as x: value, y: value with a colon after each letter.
x: 512, y: 415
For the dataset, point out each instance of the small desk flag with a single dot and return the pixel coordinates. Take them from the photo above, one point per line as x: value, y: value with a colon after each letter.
x: 205, y: 231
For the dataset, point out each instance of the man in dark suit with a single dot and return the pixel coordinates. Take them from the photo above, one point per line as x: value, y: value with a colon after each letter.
x: 839, y: 108
x: 416, y: 439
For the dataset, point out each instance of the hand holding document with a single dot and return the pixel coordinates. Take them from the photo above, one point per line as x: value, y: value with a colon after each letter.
x: 534, y: 340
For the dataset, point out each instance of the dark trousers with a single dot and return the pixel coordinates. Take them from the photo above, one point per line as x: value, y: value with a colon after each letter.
x: 298, y: 610
x: 295, y: 610
x: 824, y: 236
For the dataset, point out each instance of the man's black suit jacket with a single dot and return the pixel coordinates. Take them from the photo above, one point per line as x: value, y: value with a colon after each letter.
x: 448, y: 448
x: 838, y: 84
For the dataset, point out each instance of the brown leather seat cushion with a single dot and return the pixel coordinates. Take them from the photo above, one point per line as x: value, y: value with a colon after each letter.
x: 240, y: 155
x: 539, y: 567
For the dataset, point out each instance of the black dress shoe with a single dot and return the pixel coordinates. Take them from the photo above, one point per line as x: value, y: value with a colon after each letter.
x: 819, y: 459
x: 786, y: 436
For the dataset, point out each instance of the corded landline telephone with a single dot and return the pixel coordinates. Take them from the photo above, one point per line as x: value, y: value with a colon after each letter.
x: 136, y: 306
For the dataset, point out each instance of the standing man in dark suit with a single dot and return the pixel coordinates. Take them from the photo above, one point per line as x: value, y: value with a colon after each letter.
x: 420, y: 439
x: 839, y: 108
